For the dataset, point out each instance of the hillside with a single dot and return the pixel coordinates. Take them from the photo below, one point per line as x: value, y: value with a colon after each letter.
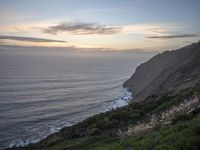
x: 169, y: 71
x: 101, y: 132
x: 167, y: 118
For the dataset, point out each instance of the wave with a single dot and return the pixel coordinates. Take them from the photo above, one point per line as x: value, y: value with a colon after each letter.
x: 44, y: 132
x: 121, y: 101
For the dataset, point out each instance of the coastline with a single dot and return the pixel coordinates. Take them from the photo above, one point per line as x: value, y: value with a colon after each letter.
x: 101, y: 131
x: 121, y: 101
x: 111, y: 129
x: 109, y: 124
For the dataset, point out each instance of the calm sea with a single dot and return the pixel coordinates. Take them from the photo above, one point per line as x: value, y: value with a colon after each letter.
x: 42, y: 91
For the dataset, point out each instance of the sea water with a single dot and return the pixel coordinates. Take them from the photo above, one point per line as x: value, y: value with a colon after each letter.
x: 42, y: 91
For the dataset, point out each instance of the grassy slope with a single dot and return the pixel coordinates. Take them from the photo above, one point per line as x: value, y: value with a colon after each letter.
x: 184, y: 135
x: 100, y: 131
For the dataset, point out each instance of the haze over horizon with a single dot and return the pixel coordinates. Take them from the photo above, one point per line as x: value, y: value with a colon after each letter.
x: 148, y: 25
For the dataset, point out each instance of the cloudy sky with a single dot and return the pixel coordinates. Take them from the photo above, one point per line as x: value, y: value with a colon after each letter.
x: 105, y: 24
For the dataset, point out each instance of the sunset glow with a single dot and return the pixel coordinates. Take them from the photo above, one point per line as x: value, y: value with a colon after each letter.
x: 116, y: 25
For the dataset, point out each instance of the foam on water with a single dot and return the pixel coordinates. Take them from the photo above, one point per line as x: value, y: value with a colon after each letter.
x: 41, y: 92
x: 45, y: 131
x: 119, y: 102
x: 122, y: 101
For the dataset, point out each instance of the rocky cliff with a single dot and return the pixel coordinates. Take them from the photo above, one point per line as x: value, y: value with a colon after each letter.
x: 169, y: 71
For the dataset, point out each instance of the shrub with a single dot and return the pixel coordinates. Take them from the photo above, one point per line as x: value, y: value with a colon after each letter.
x: 172, y: 115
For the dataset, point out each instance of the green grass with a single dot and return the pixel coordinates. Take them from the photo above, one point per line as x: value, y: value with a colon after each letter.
x: 100, y: 132
x: 180, y: 136
x: 184, y: 135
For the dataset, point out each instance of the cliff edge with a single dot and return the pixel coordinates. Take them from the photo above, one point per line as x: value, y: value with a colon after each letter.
x: 169, y: 71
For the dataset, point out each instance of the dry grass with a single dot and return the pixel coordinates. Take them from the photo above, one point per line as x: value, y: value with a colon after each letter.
x: 159, y: 120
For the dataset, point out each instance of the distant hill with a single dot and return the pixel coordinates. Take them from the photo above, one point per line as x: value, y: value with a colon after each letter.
x: 169, y: 71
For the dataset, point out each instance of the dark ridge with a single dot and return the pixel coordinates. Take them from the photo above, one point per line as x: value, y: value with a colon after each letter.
x: 165, y: 72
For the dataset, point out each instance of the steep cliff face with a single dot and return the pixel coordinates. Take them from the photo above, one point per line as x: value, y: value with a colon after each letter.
x: 169, y: 71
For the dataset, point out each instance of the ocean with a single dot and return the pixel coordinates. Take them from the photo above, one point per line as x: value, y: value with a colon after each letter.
x: 43, y: 90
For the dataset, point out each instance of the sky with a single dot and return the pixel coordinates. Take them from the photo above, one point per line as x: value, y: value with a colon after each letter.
x: 150, y: 25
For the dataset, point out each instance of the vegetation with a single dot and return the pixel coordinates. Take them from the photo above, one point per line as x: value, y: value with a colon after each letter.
x: 101, y: 132
x: 172, y: 115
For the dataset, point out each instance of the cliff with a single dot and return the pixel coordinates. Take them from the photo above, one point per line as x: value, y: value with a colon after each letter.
x: 169, y: 71
x: 156, y: 80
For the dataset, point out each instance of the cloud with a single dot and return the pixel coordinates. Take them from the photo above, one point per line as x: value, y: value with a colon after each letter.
x: 78, y: 28
x: 148, y: 29
x: 173, y: 36
x: 29, y: 39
